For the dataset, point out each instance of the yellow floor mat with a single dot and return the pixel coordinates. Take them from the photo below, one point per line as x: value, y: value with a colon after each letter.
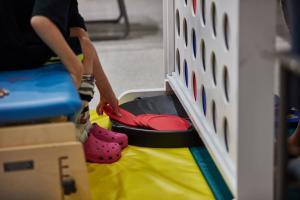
x: 148, y: 174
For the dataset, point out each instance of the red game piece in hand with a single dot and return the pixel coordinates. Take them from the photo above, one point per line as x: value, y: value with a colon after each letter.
x: 126, y: 117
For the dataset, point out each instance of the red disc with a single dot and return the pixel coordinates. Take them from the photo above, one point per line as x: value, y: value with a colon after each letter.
x: 142, y: 120
x: 138, y: 120
x: 186, y: 123
x: 126, y: 117
x: 168, y: 123
x: 195, y: 6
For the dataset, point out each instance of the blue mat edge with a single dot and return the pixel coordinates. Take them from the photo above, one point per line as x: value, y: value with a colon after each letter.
x: 211, y: 173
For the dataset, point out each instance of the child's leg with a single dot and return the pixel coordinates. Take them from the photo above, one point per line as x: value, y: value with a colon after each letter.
x: 86, y: 92
x: 93, y: 66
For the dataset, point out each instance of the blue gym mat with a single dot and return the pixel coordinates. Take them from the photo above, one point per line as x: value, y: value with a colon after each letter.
x: 38, y: 93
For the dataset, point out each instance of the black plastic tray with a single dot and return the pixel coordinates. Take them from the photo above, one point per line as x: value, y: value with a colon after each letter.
x: 165, y: 104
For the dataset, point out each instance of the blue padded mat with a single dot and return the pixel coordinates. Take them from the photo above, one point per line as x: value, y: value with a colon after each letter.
x: 37, y: 94
x: 211, y: 173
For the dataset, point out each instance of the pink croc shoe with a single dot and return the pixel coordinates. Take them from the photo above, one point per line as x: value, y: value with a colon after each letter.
x: 98, y: 151
x: 109, y: 136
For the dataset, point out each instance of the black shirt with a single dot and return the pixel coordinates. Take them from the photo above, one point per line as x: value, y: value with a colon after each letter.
x: 20, y: 46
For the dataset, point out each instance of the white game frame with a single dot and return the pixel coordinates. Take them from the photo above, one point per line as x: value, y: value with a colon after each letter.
x: 238, y: 101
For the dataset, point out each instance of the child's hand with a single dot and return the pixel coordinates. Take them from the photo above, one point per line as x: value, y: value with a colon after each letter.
x: 108, y: 98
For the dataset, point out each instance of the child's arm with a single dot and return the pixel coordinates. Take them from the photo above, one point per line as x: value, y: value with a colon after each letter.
x: 51, y: 35
x: 91, y: 57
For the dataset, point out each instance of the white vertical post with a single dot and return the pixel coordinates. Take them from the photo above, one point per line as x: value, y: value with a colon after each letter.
x: 256, y: 99
x: 225, y: 83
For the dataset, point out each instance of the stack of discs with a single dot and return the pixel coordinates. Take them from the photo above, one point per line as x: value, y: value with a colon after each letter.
x: 149, y: 121
x: 162, y: 122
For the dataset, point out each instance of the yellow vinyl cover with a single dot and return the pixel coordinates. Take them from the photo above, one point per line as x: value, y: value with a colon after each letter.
x: 148, y: 174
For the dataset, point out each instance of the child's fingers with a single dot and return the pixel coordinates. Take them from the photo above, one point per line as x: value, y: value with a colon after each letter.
x: 100, y: 109
x: 116, y: 109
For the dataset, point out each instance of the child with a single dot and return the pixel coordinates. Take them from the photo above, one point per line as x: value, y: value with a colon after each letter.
x: 33, y: 32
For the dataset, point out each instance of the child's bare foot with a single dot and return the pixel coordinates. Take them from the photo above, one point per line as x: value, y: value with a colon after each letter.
x: 294, y: 142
